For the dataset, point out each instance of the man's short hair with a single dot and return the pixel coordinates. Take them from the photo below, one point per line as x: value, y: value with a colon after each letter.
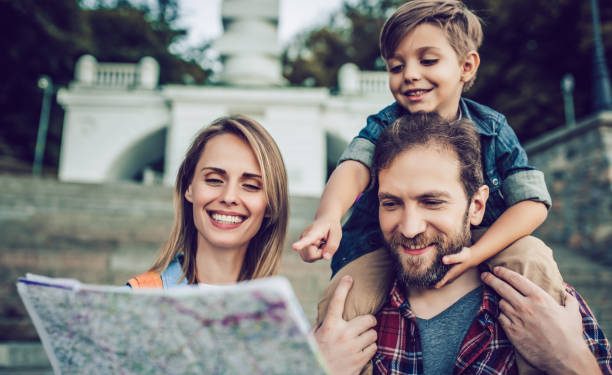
x: 461, y: 26
x: 430, y: 129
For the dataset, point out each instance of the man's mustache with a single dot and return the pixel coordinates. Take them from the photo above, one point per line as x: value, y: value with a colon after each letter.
x: 419, y: 241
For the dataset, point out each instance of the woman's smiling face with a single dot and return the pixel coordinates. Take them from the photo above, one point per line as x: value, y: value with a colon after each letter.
x: 227, y: 194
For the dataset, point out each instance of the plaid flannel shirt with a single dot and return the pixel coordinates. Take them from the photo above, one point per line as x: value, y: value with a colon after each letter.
x: 485, y: 348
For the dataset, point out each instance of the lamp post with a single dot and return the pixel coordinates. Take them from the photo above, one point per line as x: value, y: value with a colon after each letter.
x: 46, y: 85
x: 602, y: 98
x: 567, y: 87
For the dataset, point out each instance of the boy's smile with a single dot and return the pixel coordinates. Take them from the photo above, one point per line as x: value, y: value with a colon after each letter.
x: 425, y: 73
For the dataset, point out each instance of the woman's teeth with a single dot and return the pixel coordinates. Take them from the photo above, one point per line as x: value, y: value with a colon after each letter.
x: 229, y: 219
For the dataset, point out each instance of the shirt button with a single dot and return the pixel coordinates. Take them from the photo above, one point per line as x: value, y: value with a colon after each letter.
x: 495, y: 181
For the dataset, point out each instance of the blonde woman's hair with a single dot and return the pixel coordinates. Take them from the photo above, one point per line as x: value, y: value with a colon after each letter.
x: 264, y: 250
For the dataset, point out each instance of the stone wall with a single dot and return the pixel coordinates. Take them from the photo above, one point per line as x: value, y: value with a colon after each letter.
x: 577, y: 163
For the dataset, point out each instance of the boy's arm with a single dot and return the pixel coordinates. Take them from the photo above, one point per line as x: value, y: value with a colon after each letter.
x: 517, y: 221
x: 322, y: 237
x: 525, y: 195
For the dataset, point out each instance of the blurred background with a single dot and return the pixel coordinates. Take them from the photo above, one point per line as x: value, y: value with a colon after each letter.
x: 98, y: 99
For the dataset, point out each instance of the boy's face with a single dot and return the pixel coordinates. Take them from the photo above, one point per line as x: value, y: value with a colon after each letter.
x: 425, y: 73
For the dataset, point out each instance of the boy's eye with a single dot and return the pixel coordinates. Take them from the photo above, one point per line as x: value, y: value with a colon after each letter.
x: 396, y: 68
x: 428, y: 62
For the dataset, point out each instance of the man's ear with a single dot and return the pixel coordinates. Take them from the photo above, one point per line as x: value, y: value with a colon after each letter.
x: 470, y: 66
x: 189, y: 194
x: 478, y: 204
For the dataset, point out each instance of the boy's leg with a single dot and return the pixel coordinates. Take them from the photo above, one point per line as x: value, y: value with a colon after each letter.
x: 372, y: 274
x: 530, y: 257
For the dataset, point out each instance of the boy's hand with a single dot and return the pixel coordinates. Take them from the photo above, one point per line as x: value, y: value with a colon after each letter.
x: 462, y: 261
x: 319, y: 240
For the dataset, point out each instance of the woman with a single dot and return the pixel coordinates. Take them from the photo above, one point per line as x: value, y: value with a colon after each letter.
x: 231, y: 209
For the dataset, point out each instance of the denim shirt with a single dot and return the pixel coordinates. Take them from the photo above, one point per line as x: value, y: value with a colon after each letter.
x: 504, y: 161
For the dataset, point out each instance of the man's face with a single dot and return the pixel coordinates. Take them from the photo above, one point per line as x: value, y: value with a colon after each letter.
x: 424, y: 213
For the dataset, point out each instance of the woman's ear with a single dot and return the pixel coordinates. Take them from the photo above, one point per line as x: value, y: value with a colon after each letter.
x: 189, y: 194
x: 478, y: 205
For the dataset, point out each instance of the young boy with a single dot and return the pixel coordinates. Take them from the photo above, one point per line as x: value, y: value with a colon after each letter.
x: 430, y: 48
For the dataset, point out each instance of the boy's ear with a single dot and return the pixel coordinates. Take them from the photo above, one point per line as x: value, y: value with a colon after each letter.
x: 478, y: 204
x: 189, y: 194
x: 470, y: 66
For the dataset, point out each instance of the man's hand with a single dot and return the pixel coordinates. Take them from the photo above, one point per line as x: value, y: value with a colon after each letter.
x: 346, y: 346
x: 462, y: 261
x: 319, y: 240
x: 548, y: 335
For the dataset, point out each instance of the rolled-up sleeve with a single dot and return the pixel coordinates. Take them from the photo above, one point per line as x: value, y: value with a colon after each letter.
x: 361, y: 150
x: 526, y: 185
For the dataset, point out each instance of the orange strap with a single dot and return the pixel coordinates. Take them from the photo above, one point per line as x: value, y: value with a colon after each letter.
x: 148, y: 279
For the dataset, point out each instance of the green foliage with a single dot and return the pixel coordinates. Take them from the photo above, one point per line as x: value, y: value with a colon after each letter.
x: 36, y: 37
x: 529, y: 45
x: 47, y: 37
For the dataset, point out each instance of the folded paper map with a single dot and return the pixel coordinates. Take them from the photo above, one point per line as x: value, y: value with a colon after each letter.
x: 255, y: 327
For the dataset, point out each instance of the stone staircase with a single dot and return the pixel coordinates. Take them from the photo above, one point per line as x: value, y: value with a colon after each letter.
x: 100, y: 234
x: 107, y: 233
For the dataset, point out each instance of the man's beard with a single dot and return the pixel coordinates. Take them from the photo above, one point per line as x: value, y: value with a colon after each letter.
x: 409, y: 268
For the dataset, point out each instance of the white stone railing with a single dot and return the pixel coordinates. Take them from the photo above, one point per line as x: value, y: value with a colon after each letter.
x: 144, y: 74
x: 117, y: 75
x: 352, y: 81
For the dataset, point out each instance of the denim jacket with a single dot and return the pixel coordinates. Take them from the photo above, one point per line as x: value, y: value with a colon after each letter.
x: 172, y: 276
x: 504, y: 161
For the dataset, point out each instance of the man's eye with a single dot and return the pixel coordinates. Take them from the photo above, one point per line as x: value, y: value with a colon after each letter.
x: 433, y: 202
x: 428, y: 62
x: 388, y: 204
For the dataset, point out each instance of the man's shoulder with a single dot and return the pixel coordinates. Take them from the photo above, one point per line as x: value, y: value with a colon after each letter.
x: 487, y: 120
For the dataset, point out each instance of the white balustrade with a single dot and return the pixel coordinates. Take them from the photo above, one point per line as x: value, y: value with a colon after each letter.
x: 144, y: 74
x: 353, y: 81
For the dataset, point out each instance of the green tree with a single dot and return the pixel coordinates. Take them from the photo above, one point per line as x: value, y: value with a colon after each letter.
x: 528, y: 46
x: 41, y: 37
x: 36, y: 37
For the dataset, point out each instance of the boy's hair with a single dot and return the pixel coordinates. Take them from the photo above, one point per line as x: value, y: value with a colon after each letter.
x: 430, y: 129
x: 461, y: 26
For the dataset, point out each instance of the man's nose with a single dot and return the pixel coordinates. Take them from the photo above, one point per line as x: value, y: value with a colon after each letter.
x: 413, y: 223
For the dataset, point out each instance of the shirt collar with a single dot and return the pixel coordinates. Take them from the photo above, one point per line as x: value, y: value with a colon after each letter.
x: 173, y: 274
x: 489, y: 307
x: 464, y: 111
x: 398, y: 111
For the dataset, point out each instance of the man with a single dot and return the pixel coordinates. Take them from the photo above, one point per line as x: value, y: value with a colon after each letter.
x: 431, y: 193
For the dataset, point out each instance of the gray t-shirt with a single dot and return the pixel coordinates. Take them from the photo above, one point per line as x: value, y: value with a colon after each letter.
x: 441, y: 336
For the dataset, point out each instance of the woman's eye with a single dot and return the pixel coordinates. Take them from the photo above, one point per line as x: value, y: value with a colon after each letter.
x: 251, y: 187
x: 428, y: 62
x: 213, y: 181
